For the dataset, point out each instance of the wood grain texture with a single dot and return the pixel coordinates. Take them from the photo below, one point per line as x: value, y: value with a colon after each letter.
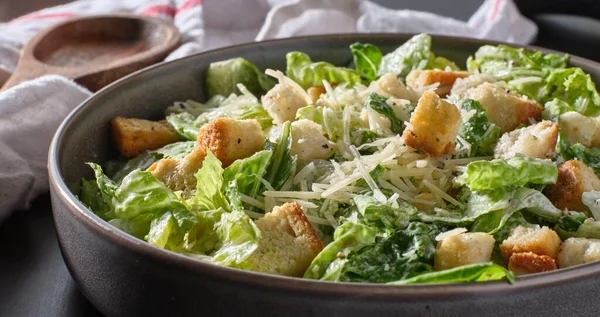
x: 96, y: 50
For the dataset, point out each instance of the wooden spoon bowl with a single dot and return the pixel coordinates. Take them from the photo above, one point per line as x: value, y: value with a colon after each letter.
x: 94, y: 51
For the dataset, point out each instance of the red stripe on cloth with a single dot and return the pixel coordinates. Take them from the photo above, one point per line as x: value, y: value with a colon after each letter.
x: 495, y: 10
x: 189, y: 4
x: 36, y: 16
x: 160, y: 9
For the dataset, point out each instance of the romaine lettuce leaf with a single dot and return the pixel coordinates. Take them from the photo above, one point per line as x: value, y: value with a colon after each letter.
x: 243, y: 177
x: 577, y: 225
x: 516, y: 171
x: 476, y: 129
x: 141, y: 194
x: 92, y: 198
x: 222, y: 78
x: 347, y: 238
x: 176, y: 150
x: 283, y: 164
x: 307, y: 74
x: 209, y: 193
x: 576, y: 88
x: 137, y: 227
x: 414, y: 54
x: 383, y: 215
x: 238, y: 236
x: 161, y: 230
x: 184, y: 124
x: 480, y: 272
x: 406, y: 253
x: 379, y: 104
x: 554, y: 108
x: 367, y: 58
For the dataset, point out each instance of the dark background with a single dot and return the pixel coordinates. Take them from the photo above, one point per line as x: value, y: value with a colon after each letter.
x: 34, y: 280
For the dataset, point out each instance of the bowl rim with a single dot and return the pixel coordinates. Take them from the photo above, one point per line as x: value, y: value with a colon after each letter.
x: 298, y: 285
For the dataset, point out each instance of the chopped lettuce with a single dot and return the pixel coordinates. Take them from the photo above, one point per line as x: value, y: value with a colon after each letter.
x: 516, y: 171
x: 307, y: 74
x: 379, y: 104
x: 576, y: 88
x: 209, y: 194
x: 367, y: 58
x: 577, y: 225
x: 477, y: 130
x: 238, y: 236
x: 347, y: 238
x: 480, y: 272
x: 414, y: 54
x: 243, y: 177
x: 141, y: 196
x: 283, y: 164
x: 184, y: 124
x: 223, y: 77
x: 541, y: 77
x: 406, y: 253
x: 382, y: 215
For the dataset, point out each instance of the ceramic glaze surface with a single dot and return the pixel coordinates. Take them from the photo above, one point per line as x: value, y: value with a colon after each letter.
x: 123, y: 276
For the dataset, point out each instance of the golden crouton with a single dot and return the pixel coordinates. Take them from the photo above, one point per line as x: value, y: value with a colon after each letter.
x: 288, y: 244
x: 538, y: 140
x: 282, y: 102
x: 229, y: 139
x: 528, y: 262
x: 580, y: 129
x: 462, y: 85
x: 389, y: 85
x: 575, y: 251
x: 421, y: 78
x: 541, y: 241
x: 462, y: 249
x: 135, y: 136
x: 574, y: 179
x: 179, y: 174
x: 308, y: 141
x: 433, y: 126
x: 503, y: 109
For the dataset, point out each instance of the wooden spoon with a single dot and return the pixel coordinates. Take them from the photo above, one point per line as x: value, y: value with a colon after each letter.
x: 96, y: 50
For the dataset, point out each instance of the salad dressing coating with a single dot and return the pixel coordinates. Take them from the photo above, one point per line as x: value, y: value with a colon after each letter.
x: 399, y: 168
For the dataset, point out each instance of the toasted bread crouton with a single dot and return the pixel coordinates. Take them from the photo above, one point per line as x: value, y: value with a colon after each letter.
x: 462, y: 249
x: 538, y: 140
x: 462, y: 85
x: 389, y: 85
x: 528, y: 262
x: 503, y: 109
x: 308, y: 141
x: 315, y: 92
x: 433, y: 126
x: 282, y: 102
x: 229, y: 139
x: 575, y: 251
x: 418, y: 79
x: 135, y: 136
x: 288, y: 244
x: 179, y: 174
x: 580, y: 129
x: 574, y: 179
x: 541, y: 241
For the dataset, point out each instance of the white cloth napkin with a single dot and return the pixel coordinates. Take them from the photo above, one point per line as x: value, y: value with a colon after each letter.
x: 31, y: 111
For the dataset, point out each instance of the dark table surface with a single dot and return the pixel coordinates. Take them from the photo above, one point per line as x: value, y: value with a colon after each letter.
x: 34, y: 280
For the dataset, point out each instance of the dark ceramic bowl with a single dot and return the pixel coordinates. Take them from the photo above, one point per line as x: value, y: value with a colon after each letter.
x: 124, y: 276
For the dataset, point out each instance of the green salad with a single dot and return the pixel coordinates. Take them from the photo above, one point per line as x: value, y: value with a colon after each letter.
x: 396, y: 168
